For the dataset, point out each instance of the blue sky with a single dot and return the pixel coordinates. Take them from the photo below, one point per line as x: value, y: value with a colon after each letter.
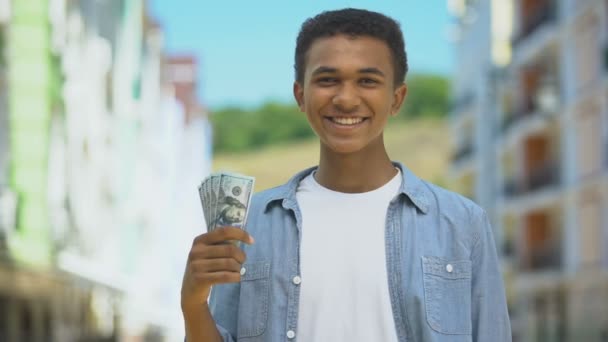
x: 245, y: 48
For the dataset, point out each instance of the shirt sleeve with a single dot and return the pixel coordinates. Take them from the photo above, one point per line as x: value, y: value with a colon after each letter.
x: 224, y: 305
x: 490, y: 316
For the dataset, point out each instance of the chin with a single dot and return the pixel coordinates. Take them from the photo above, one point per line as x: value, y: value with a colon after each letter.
x: 344, y: 148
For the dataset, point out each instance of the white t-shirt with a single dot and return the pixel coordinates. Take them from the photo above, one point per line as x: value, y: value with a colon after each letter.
x: 344, y: 292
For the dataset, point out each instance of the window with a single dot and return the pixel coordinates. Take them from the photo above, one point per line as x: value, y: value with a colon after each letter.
x: 542, y: 249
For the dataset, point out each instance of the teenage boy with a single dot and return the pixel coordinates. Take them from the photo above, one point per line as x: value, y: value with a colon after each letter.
x: 358, y: 248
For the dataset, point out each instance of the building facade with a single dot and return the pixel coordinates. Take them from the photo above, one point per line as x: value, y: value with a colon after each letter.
x: 100, y: 156
x: 544, y: 173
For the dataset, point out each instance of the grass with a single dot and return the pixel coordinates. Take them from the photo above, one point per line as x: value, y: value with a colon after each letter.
x: 423, y: 145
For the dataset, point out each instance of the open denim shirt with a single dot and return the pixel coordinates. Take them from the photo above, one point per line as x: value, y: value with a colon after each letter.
x: 443, y: 272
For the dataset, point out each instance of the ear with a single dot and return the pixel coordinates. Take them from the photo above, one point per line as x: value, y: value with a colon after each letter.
x: 298, y: 94
x: 398, y: 97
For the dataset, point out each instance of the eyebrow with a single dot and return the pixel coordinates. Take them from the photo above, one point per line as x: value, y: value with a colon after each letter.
x: 374, y: 71
x: 329, y: 70
x: 323, y: 70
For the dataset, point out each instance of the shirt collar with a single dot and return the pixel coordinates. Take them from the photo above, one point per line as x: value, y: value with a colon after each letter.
x: 411, y: 186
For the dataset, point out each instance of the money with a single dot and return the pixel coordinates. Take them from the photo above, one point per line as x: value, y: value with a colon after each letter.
x: 202, y: 192
x: 214, y: 184
x: 225, y: 198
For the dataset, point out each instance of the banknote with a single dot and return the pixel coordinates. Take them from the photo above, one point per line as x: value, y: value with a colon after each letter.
x: 225, y: 198
x: 233, y: 196
x: 202, y: 192
x: 214, y: 185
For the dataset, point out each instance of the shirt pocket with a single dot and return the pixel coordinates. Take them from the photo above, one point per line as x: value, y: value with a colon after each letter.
x: 254, y: 297
x: 447, y: 295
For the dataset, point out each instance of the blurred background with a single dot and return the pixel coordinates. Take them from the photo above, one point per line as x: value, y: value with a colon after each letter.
x: 113, y: 111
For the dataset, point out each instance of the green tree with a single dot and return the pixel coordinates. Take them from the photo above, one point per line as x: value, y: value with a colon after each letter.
x: 427, y: 96
x: 236, y: 129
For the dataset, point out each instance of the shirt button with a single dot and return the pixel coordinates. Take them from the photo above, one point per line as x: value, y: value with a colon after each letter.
x: 291, y: 334
x: 449, y: 268
x: 243, y: 270
x: 297, y: 280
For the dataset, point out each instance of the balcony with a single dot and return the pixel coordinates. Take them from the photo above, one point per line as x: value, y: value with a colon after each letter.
x: 544, y: 176
x: 513, y: 118
x: 541, y: 99
x: 525, y: 109
x: 542, y: 247
x: 547, y: 175
x: 542, y: 257
x: 463, y: 152
x: 545, y: 13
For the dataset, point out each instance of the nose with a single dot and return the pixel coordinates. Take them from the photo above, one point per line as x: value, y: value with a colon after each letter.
x: 346, y: 98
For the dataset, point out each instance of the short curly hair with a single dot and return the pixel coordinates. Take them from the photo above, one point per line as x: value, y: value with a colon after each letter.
x: 352, y: 22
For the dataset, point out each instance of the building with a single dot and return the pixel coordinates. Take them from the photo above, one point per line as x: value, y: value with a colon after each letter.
x: 102, y: 147
x: 538, y: 160
x: 482, y: 49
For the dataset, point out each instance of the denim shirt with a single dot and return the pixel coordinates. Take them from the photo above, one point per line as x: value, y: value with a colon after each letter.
x: 443, y: 272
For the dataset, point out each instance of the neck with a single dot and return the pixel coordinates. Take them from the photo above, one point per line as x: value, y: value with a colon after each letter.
x: 357, y: 172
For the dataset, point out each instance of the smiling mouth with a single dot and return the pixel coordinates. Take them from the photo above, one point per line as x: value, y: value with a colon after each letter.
x: 346, y: 121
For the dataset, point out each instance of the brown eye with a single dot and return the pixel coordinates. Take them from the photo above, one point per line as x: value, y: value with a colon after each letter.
x: 368, y: 81
x: 327, y: 80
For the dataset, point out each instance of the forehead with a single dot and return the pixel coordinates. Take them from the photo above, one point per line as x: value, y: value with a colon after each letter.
x: 343, y: 52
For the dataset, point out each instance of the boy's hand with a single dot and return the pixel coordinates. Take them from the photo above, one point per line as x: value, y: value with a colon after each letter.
x: 212, y: 260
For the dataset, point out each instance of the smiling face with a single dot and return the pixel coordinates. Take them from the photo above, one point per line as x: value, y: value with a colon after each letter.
x: 348, y: 92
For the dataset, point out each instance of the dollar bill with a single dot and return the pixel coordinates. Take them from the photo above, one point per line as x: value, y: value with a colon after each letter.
x: 225, y: 198
x: 202, y: 193
x: 233, y: 197
x: 209, y: 202
x: 214, y: 184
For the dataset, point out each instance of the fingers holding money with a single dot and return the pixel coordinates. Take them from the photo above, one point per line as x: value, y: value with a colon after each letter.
x: 214, y: 257
x: 217, y: 252
x: 224, y: 235
x: 216, y: 271
x: 213, y: 260
x: 215, y: 265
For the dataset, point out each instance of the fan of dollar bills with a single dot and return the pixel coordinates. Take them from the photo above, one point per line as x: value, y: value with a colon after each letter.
x: 225, y: 197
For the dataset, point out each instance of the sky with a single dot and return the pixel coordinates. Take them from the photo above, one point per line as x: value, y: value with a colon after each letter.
x: 245, y: 48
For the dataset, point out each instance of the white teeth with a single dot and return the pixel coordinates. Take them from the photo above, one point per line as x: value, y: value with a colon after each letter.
x: 347, y: 121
